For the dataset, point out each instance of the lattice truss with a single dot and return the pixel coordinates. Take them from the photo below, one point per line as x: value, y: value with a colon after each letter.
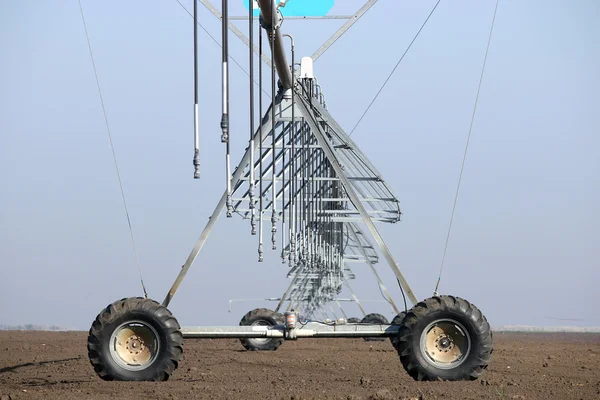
x: 295, y: 201
x: 303, y: 184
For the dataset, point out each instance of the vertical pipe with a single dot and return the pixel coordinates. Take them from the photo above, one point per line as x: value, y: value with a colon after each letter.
x: 291, y: 196
x: 308, y: 198
x: 283, y: 149
x: 260, y: 151
x: 225, y: 106
x: 318, y: 214
x: 315, y: 202
x: 304, y: 196
x: 274, y: 181
x: 196, y: 161
x: 251, y: 73
x: 299, y: 201
x: 292, y: 215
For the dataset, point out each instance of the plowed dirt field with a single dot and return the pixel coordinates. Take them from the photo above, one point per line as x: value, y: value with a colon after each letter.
x: 54, y: 365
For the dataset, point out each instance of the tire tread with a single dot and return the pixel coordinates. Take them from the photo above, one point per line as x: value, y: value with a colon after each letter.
x: 161, y: 370
x: 404, y: 343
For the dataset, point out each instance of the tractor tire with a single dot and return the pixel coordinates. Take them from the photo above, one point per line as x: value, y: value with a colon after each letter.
x: 397, y: 321
x: 444, y: 338
x: 374, y: 318
x: 264, y: 317
x: 353, y: 320
x: 135, y: 339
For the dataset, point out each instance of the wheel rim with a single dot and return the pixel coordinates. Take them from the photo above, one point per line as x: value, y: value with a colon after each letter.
x: 445, y: 343
x: 260, y: 341
x: 134, y: 345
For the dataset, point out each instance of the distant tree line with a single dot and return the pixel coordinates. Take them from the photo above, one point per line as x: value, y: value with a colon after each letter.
x: 527, y: 328
x: 31, y: 327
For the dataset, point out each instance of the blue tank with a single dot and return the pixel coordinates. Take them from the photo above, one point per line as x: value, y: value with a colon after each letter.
x: 299, y: 8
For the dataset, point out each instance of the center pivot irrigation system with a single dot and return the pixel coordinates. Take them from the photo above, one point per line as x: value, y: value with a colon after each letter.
x: 319, y: 197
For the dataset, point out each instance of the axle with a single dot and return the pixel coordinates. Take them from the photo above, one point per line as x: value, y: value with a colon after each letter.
x: 310, y: 329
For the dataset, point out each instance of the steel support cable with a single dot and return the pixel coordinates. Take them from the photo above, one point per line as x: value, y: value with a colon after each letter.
x: 403, y: 296
x: 218, y: 44
x: 462, y: 167
x: 395, y: 67
x: 112, y: 147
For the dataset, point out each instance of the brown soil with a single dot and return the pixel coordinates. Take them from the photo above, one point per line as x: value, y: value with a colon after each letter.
x: 46, y: 365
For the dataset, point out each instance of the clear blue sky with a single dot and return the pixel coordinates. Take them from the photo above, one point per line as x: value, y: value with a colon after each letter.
x: 525, y: 241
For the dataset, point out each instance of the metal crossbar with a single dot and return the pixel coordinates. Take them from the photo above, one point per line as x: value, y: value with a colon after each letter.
x: 350, y: 20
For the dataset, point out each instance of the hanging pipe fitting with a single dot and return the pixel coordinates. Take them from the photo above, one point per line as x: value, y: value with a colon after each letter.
x: 229, y: 205
x: 253, y: 223
x: 260, y: 253
x: 224, y: 128
x: 274, y: 230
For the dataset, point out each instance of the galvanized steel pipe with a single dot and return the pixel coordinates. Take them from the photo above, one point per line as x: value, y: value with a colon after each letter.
x: 279, y: 58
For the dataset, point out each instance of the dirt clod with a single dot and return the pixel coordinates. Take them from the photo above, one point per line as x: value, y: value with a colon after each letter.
x: 382, y: 394
x: 364, y: 381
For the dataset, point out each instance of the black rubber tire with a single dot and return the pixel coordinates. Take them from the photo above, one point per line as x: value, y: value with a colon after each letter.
x: 397, y: 321
x: 374, y: 318
x: 267, y: 316
x: 353, y: 320
x: 436, y: 308
x: 150, y: 312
